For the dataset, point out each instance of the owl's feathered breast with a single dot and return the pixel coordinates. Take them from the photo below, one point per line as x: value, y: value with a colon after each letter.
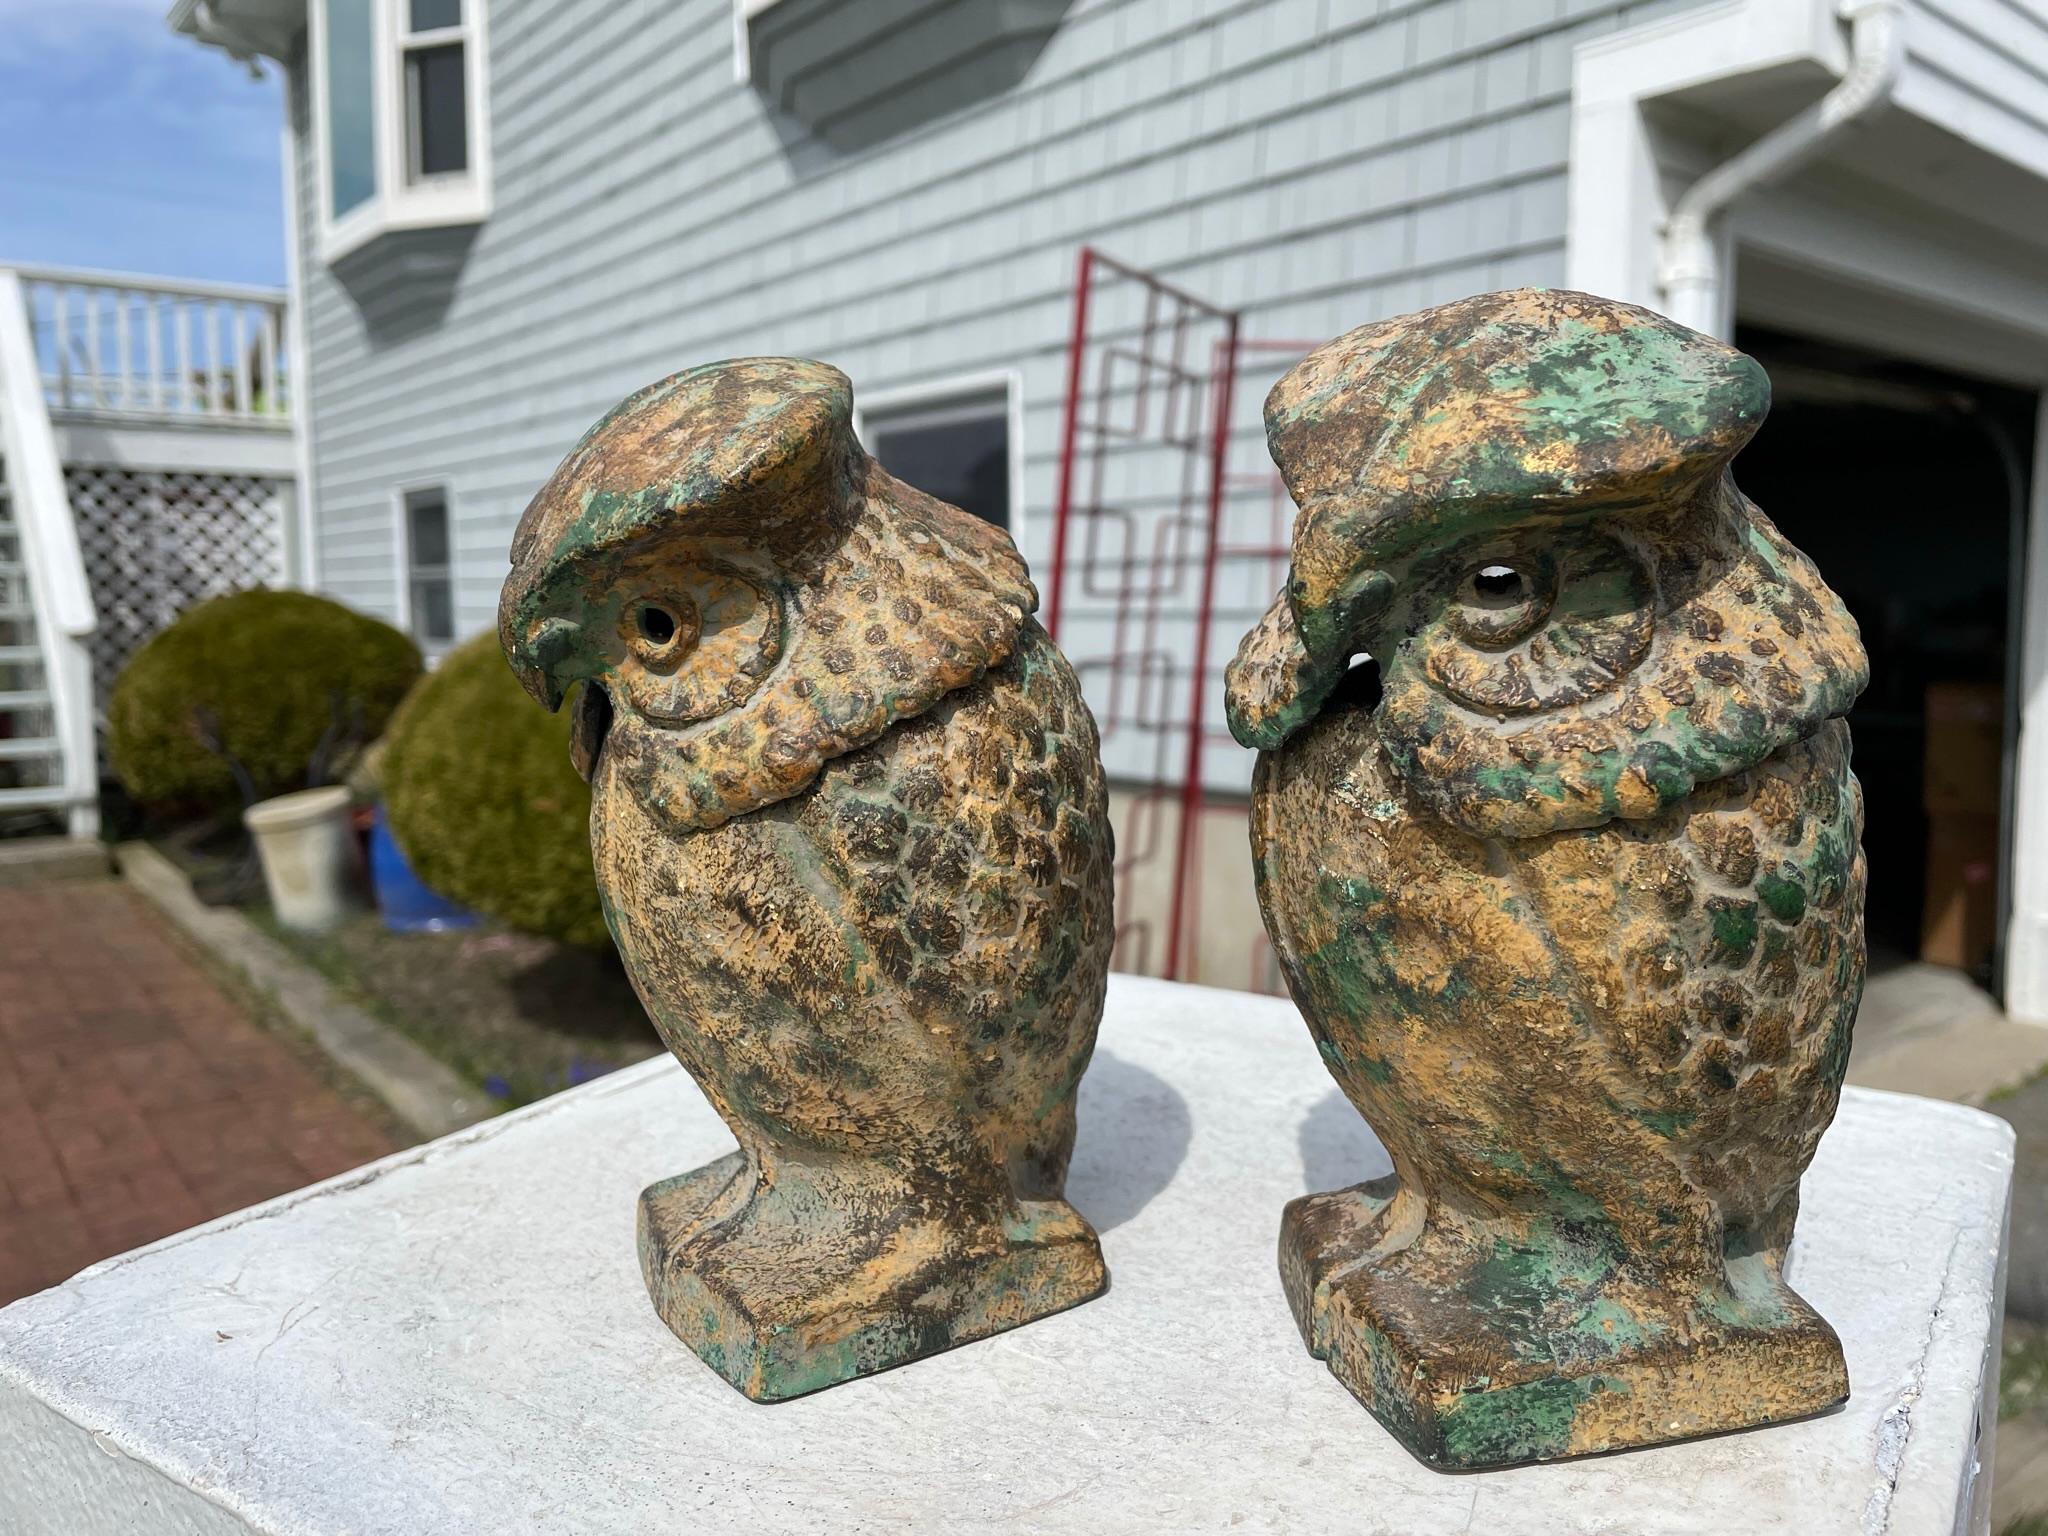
x: 923, y: 924
x: 1688, y: 979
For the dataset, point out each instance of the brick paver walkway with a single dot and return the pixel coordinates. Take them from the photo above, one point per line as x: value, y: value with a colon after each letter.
x: 135, y: 1098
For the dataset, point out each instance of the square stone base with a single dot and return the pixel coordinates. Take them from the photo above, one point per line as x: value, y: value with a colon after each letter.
x: 777, y: 1343
x: 1466, y: 1390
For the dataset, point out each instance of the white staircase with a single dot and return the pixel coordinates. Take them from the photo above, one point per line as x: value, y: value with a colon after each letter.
x: 48, y: 759
x: 147, y: 461
x: 31, y: 756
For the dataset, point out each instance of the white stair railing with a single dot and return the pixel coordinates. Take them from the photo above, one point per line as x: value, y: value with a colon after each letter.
x: 64, y: 614
x: 112, y: 344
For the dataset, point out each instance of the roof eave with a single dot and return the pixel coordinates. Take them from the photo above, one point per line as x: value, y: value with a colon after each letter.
x: 243, y: 29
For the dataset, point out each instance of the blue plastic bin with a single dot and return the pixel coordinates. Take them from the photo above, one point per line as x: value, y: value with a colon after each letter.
x: 407, y: 905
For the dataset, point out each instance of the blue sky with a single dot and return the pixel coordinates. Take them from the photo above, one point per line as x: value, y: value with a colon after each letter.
x: 126, y: 147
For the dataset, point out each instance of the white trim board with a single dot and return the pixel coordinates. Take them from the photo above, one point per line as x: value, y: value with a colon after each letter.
x: 305, y: 566
x: 2026, y: 935
x: 1836, y: 262
x: 178, y: 449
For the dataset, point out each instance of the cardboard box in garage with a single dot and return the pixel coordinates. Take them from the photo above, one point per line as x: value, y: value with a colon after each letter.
x: 1965, y: 749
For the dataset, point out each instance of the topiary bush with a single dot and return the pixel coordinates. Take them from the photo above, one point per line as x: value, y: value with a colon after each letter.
x: 480, y: 794
x: 251, y: 695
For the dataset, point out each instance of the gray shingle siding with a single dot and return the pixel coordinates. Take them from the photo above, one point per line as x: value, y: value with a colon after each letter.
x: 1318, y: 162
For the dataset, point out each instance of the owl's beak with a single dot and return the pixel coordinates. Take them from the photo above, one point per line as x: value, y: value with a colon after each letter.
x: 539, y: 660
x: 1280, y: 676
x: 1272, y: 686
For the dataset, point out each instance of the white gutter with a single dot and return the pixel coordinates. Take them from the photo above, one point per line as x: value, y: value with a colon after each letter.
x: 1690, y: 266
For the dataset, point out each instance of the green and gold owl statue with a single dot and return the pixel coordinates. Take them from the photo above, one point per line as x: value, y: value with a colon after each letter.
x: 1557, y: 842
x: 851, y: 832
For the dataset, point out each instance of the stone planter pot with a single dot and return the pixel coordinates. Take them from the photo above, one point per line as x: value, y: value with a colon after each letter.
x: 302, y: 840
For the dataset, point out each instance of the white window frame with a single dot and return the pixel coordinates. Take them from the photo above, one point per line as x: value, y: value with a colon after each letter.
x: 399, y: 202
x: 935, y: 400
x: 401, y: 523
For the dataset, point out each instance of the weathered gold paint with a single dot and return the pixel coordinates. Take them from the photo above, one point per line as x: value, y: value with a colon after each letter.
x: 1567, y: 883
x: 852, y: 837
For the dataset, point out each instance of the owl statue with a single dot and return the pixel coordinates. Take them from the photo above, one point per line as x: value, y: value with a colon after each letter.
x: 1557, y: 844
x: 851, y: 833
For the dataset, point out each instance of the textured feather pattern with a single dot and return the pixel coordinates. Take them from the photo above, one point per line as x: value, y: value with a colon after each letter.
x: 906, y: 959
x: 1650, y: 1015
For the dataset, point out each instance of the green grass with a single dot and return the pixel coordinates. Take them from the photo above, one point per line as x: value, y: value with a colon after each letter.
x: 2007, y: 1090
x: 520, y: 1017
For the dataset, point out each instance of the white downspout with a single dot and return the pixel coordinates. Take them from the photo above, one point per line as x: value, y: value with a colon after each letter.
x: 1690, y: 262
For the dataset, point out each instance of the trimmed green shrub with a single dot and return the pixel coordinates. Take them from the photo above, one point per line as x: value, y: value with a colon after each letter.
x: 480, y: 794
x: 251, y: 695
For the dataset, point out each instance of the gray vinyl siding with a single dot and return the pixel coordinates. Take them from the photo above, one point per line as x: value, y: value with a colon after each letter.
x: 1320, y: 163
x: 1989, y: 58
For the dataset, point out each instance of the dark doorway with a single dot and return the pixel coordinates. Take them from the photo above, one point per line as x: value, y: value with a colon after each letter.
x: 1907, y: 487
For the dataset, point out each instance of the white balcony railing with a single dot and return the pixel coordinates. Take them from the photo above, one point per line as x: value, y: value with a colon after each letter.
x: 144, y: 347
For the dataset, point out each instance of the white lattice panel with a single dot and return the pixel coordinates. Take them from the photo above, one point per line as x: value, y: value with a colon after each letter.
x: 156, y: 543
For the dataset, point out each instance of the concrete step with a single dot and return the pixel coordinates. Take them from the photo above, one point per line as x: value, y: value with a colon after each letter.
x: 1929, y: 1030
x: 35, y: 860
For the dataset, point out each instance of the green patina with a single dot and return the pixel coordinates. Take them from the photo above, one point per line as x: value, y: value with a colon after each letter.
x: 1558, y: 1261
x: 1665, y: 1122
x: 1783, y: 896
x: 1755, y: 1298
x: 1519, y: 1286
x: 1615, y: 1328
x: 1734, y: 925
x: 1357, y: 965
x: 1529, y: 1422
x: 1566, y: 1201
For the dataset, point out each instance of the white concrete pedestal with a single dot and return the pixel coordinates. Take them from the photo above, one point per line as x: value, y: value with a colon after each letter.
x: 456, y: 1340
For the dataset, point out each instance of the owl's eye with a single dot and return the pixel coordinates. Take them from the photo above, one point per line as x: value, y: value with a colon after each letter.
x: 698, y: 637
x: 1498, y: 585
x: 1524, y: 629
x: 1499, y: 601
x: 661, y: 630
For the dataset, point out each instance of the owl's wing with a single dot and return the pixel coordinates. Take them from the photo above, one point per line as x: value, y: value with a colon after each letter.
x: 974, y: 850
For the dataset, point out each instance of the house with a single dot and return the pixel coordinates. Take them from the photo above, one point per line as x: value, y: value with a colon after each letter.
x: 509, y: 213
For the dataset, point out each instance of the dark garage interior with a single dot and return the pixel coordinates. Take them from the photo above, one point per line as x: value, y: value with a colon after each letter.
x: 1907, y: 487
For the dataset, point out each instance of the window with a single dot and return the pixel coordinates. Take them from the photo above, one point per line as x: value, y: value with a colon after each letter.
x: 436, y: 90
x: 351, y: 126
x: 953, y: 442
x: 429, y: 577
x: 399, y: 104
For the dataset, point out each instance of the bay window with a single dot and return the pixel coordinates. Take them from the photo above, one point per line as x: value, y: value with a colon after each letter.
x: 400, y: 115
